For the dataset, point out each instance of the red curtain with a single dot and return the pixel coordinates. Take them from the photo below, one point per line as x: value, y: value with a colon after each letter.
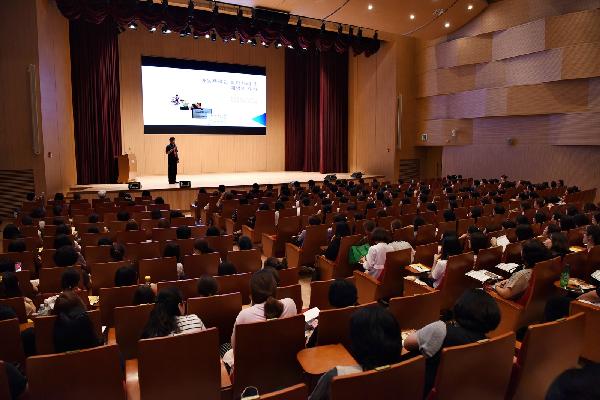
x: 96, y: 100
x: 316, y: 119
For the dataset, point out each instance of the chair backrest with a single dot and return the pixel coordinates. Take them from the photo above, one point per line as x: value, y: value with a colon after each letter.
x: 425, y: 234
x: 77, y: 375
x: 145, y: 250
x: 183, y: 221
x: 273, y: 345
x: 245, y: 260
x: 164, y: 234
x: 296, y: 392
x: 44, y: 331
x: 112, y: 298
x: 444, y: 227
x: 414, y: 312
x: 392, y: 278
x: 293, y: 292
x: 50, y: 279
x: 591, y: 344
x: 544, y: 275
x: 104, y: 274
x: 578, y: 263
x: 26, y: 258
x: 91, y: 239
x: 463, y: 225
x: 235, y: 283
x: 196, y: 372
x: 288, y: 276
x: 593, y: 260
x: 196, y: 265
x: 159, y: 269
x: 265, y: 223
x: 96, y: 254
x: 424, y: 254
x: 18, y: 305
x: 47, y: 257
x: 406, y: 234
x: 131, y: 236
x: 221, y: 244
x: 547, y: 350
x: 403, y: 380
x: 334, y: 325
x: 319, y: 294
x: 512, y: 253
x: 218, y: 311
x: 188, y: 287
x: 478, y: 370
x: 454, y: 282
x: 316, y: 236
x: 488, y: 258
x: 11, y: 346
x: 130, y: 322
x: 342, y: 268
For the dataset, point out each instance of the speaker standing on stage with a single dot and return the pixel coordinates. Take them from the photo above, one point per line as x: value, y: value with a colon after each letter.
x: 173, y: 157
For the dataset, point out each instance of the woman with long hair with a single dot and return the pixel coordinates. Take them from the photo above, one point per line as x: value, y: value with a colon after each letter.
x: 167, y: 317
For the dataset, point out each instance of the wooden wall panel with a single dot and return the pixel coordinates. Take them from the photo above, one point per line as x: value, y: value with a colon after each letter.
x: 594, y: 95
x: 575, y: 129
x: 492, y: 74
x: 581, y: 61
x: 457, y: 79
x: 475, y: 50
x: 523, y: 39
x: 201, y: 153
x: 439, y: 132
x: 548, y: 98
x: 531, y: 69
x: 524, y: 130
x: 569, y: 29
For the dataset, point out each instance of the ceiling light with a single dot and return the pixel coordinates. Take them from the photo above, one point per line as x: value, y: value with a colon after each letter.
x: 470, y: 7
x: 207, y: 36
x: 290, y: 47
x: 186, y: 31
x: 165, y: 30
x: 196, y: 36
x: 412, y: 16
x: 132, y: 25
x: 153, y: 29
x: 263, y: 43
x: 233, y: 38
x: 278, y: 44
x: 253, y: 42
x: 447, y: 25
x: 370, y: 7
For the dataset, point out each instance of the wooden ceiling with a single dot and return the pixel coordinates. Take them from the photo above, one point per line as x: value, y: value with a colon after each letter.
x: 386, y: 16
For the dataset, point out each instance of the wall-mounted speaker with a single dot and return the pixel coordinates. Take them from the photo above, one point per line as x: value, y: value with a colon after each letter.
x: 134, y: 185
x: 185, y: 184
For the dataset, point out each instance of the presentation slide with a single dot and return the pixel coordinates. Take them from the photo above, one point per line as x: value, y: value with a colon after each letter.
x: 185, y: 96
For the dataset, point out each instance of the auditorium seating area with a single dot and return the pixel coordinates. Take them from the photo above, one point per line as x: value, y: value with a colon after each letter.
x: 520, y: 358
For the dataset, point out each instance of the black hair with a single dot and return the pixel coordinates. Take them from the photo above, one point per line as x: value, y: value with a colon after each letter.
x: 61, y: 240
x: 533, y: 252
x: 183, y: 232
x: 123, y: 216
x: 593, y: 231
x: 132, y: 225
x: 567, y: 222
x: 540, y: 217
x: 581, y: 220
x: 477, y: 311
x: 560, y: 243
x: 155, y: 214
x: 479, y: 241
x: 207, y: 286
x: 342, y: 293
x: 159, y: 200
x: 7, y: 312
x: 213, y: 231
x: 375, y: 337
x: 162, y: 320
x: 342, y: 229
x: 245, y: 243
x: 557, y: 307
x: 172, y: 249
x: 576, y: 383
x: 226, y: 268
x: 9, y: 285
x: 117, y: 252
x: 524, y: 232
x: 451, y: 246
x: 499, y: 210
x: 449, y: 215
x: 380, y: 235
x: 104, y: 241
x: 274, y: 262
x: 66, y: 256
x: 93, y: 229
x: 11, y: 232
x: 70, y: 278
x: 143, y: 295
x: 522, y: 220
x: 314, y: 220
x: 17, y: 246
x: 74, y: 330
x: 202, y: 246
x: 126, y: 276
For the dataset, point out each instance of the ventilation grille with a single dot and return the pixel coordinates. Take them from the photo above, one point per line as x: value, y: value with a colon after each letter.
x: 409, y: 169
x: 14, y: 186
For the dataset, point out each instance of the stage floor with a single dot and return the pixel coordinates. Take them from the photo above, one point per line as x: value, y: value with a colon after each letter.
x: 213, y: 180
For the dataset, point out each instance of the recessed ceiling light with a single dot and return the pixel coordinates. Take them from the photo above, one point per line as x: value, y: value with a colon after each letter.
x: 470, y: 7
x: 447, y: 25
x: 412, y: 16
x: 370, y: 7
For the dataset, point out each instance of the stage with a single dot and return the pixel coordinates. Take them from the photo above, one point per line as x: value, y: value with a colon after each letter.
x: 180, y: 198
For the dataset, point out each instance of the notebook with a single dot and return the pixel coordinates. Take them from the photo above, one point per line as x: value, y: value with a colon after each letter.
x: 508, y: 267
x: 483, y: 275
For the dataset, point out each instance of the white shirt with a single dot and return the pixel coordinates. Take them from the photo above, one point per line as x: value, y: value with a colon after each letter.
x: 375, y: 259
x: 402, y: 245
x: 438, y: 271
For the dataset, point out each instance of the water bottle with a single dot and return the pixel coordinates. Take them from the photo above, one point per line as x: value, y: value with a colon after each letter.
x: 564, y: 276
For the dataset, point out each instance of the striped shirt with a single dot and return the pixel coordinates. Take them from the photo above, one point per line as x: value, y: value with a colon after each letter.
x: 188, y: 323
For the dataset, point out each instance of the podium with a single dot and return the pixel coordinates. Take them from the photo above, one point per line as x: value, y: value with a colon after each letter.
x: 127, y: 164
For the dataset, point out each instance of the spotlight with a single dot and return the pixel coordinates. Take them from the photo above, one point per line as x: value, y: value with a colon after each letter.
x: 186, y: 31
x: 447, y: 25
x: 278, y: 44
x: 207, y: 35
x: 470, y: 7
x: 213, y: 37
x: 412, y: 16
x: 253, y: 42
x: 153, y: 29
x: 196, y: 36
x: 264, y: 43
x: 370, y: 7
x: 290, y: 47
x: 249, y: 41
x: 132, y: 25
x: 165, y: 30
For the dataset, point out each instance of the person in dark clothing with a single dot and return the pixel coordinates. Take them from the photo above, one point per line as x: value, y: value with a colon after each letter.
x: 173, y: 159
x: 341, y: 229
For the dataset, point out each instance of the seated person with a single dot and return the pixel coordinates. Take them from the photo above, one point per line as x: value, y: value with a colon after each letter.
x: 132, y: 225
x: 591, y: 236
x: 172, y: 250
x: 201, y: 246
x: 341, y: 230
x: 524, y: 232
x: 591, y: 296
x: 312, y: 220
x: 478, y: 241
x: 576, y: 383
x: 559, y: 244
x: 273, y: 262
x: 168, y: 318
x: 144, y: 294
x: 183, y: 232
x: 374, y: 261
x: 213, y: 231
x: 69, y: 282
x: 245, y: 243
x: 475, y: 314
x: 375, y: 342
x: 226, y: 268
x: 532, y: 252
x: 126, y: 276
x: 451, y: 246
x: 207, y: 286
x: 117, y: 252
x: 10, y: 287
x: 73, y: 329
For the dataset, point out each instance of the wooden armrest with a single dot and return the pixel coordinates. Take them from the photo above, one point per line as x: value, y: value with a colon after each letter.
x: 292, y: 252
x: 326, y: 268
x: 510, y: 315
x: 112, y: 339
x: 268, y: 244
x: 411, y: 288
x: 132, y: 380
x: 320, y: 359
x: 366, y: 286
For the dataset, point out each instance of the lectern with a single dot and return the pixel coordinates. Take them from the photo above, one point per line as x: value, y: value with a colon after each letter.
x: 127, y: 168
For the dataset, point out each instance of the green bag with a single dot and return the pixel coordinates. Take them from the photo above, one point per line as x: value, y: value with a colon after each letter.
x: 356, y: 253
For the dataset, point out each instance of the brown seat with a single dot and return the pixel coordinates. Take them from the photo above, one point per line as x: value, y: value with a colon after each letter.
x: 591, y: 344
x: 131, y: 236
x: 222, y: 244
x: 235, y: 283
x: 478, y: 370
x: 275, y: 343
x: 264, y: 223
x: 130, y: 322
x: 444, y: 227
x: 334, y: 325
x: 319, y: 294
x: 288, y: 276
x: 91, y: 239
x: 217, y: 311
x: 405, y: 234
x: 47, y: 257
x: 26, y: 258
x: 316, y: 236
x: 198, y: 372
x: 110, y: 298
x: 463, y: 225
x: 391, y: 280
x: 4, y: 385
x: 188, y: 287
x: 183, y: 221
x: 593, y: 260
x: 578, y: 263
x: 11, y: 346
x: 139, y: 251
x: 340, y: 268
x: 454, y: 282
x: 424, y: 254
x: 18, y: 305
x: 273, y: 245
x: 116, y: 226
x: 245, y: 260
x: 159, y: 269
x: 244, y: 211
x: 416, y: 311
x: 547, y: 350
x: 164, y: 234
x: 92, y: 373
x: 50, y: 279
x: 296, y: 392
x: 512, y: 253
x: 186, y: 246
x: 488, y: 258
x: 104, y: 274
x: 293, y: 292
x: 97, y: 254
x: 44, y: 331
x: 196, y: 265
x: 403, y: 380
x: 425, y: 235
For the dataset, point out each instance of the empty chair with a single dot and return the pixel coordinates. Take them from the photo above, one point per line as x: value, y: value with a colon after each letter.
x: 18, y: 305
x: 196, y: 265
x: 293, y: 292
x: 454, y: 282
x: 164, y: 234
x: 547, y: 350
x: 76, y: 375
x: 274, y: 244
x: 159, y: 269
x: 416, y: 311
x: 488, y: 258
x: 131, y: 236
x: 478, y: 370
x: 145, y: 250
x: 221, y: 244
x: 265, y: 223
x: 591, y: 344
x: 197, y: 372
x: 50, y: 279
x: 130, y: 322
x: 512, y: 253
x: 288, y: 276
x: 112, y: 298
x: 44, y: 331
x: 275, y: 343
x: 578, y: 263
x: 424, y: 254
x: 104, y: 274
x: 403, y: 380
x: 425, y: 235
x: 235, y: 283
x: 245, y: 260
x: 339, y: 268
x: 334, y: 325
x: 218, y: 311
x: 296, y: 392
x: 391, y: 280
x: 11, y: 346
x: 188, y: 287
x: 97, y: 254
x: 316, y: 236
